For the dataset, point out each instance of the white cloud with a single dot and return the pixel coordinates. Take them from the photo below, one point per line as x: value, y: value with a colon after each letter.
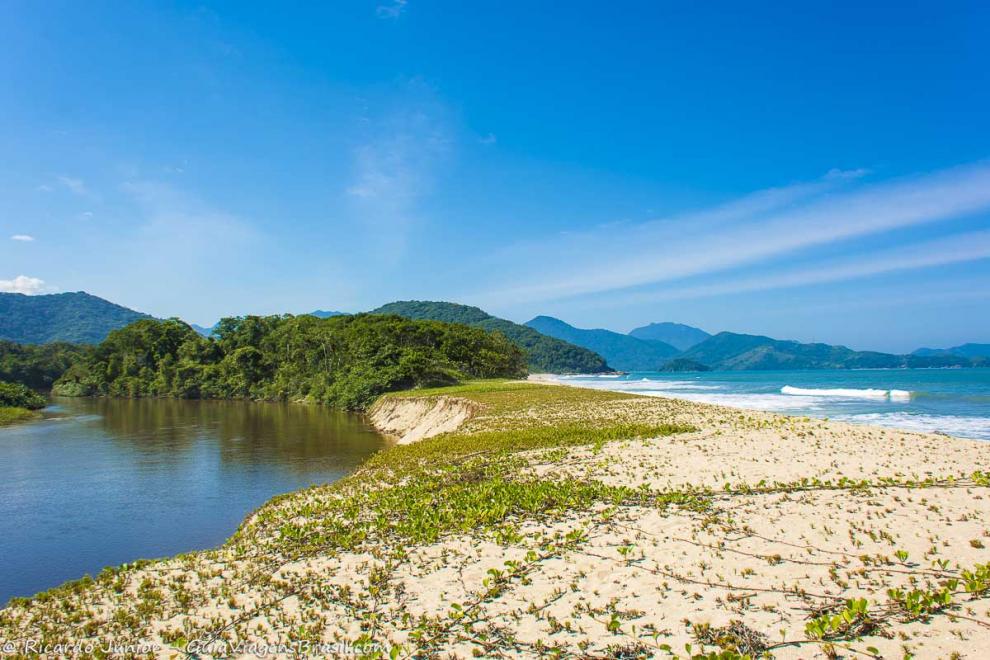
x: 392, y: 10
x: 22, y: 237
x: 23, y: 284
x: 74, y: 185
x: 490, y: 138
x: 756, y: 229
x: 397, y: 163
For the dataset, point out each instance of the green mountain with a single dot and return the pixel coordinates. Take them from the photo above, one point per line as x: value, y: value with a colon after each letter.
x: 965, y: 350
x: 543, y: 353
x: 79, y: 318
x: 324, y: 314
x: 678, y: 335
x: 621, y: 351
x: 728, y: 351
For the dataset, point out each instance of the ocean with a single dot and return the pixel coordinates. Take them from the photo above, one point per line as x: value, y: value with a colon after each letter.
x: 953, y: 401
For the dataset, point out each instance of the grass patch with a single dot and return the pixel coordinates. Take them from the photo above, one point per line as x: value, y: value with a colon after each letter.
x: 473, y: 499
x: 436, y: 452
x: 12, y: 415
x: 461, y: 481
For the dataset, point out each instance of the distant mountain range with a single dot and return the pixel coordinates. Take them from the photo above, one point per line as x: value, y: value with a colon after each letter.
x: 620, y: 351
x: 543, y: 353
x: 78, y: 317
x: 206, y: 332
x: 729, y: 351
x: 678, y: 335
x: 551, y: 345
x: 965, y: 350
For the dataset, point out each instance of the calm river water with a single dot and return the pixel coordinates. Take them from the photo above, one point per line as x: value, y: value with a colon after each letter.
x: 102, y: 482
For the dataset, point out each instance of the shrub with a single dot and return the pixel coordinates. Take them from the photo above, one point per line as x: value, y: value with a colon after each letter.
x: 15, y: 395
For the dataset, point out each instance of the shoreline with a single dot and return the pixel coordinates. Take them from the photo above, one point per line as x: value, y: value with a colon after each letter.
x: 889, y: 407
x: 656, y: 509
x: 10, y: 415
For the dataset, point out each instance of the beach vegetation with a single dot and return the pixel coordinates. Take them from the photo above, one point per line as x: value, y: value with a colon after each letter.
x: 534, y: 538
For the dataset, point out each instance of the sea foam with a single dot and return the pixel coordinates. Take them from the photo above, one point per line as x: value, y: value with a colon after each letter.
x: 964, y: 427
x: 847, y: 393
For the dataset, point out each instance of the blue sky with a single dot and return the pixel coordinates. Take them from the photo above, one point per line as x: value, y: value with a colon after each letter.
x: 816, y: 172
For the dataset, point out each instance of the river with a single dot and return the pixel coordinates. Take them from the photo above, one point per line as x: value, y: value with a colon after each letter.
x: 101, y: 482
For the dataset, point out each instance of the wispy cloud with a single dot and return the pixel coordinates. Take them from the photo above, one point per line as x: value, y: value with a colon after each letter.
x: 24, y: 238
x: 756, y: 229
x: 24, y: 284
x: 391, y: 10
x: 181, y: 228
x: 394, y: 169
x: 960, y: 248
x: 74, y: 185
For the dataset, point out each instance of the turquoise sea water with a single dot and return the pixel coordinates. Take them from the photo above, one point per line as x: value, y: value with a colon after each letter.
x: 953, y: 401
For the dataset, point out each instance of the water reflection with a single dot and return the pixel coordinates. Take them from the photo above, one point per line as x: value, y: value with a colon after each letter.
x: 106, y: 481
x: 291, y: 435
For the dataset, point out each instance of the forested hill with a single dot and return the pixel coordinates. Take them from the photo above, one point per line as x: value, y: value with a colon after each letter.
x: 621, y: 351
x: 678, y: 335
x: 965, y: 350
x: 729, y: 351
x: 544, y: 354
x: 79, y: 318
x: 343, y: 361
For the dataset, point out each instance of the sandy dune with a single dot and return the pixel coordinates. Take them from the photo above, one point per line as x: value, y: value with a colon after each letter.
x: 743, y: 532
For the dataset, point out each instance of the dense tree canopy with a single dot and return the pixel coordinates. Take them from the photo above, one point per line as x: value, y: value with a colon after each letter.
x: 344, y: 361
x: 16, y: 395
x: 37, y: 366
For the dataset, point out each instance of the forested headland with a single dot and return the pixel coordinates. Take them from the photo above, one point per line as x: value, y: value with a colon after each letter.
x: 344, y: 361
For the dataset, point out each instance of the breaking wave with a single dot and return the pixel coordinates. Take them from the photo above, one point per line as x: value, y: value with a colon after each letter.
x: 846, y: 393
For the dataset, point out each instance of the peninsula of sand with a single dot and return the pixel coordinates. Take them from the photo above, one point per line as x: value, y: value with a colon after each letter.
x: 527, y: 520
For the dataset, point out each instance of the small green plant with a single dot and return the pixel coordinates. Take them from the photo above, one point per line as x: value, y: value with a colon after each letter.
x: 850, y: 622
